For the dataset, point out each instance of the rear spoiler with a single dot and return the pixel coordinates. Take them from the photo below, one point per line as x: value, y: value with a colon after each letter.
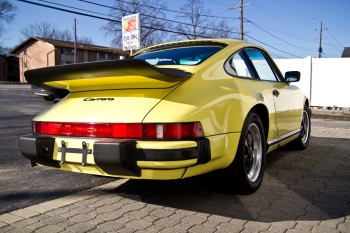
x: 129, y: 73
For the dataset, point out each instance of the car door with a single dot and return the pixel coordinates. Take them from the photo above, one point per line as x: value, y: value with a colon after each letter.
x: 286, y: 98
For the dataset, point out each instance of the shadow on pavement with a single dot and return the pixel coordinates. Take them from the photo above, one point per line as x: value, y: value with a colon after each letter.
x: 313, y: 184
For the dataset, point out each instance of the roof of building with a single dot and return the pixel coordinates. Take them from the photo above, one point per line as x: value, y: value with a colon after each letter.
x: 346, y: 52
x: 68, y: 44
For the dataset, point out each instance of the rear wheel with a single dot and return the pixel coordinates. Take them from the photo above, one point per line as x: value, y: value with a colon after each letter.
x: 302, y: 141
x: 246, y: 172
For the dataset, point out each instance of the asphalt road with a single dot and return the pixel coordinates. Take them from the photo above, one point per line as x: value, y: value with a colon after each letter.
x: 20, y: 184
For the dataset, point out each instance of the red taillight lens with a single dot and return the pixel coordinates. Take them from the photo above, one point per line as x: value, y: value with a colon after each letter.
x: 121, y: 130
x: 127, y: 130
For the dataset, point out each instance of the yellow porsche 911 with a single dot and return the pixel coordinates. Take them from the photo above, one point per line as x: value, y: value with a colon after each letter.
x: 171, y: 111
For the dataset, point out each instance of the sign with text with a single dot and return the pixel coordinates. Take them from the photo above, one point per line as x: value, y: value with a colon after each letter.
x: 131, y: 32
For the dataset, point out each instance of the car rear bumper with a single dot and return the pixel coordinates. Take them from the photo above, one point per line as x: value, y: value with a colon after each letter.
x: 115, y: 157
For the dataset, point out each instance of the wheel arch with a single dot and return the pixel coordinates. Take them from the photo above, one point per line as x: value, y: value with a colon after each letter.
x: 307, y: 103
x: 263, y: 114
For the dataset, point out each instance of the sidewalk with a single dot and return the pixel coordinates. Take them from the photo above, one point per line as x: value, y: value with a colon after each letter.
x: 302, y: 191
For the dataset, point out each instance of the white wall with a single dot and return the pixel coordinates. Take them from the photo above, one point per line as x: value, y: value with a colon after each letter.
x: 329, y: 79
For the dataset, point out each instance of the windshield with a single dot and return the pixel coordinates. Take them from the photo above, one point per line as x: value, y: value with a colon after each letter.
x: 191, y: 55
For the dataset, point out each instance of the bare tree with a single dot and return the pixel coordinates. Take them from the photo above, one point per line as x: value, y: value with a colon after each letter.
x: 151, y: 16
x: 223, y: 30
x: 47, y: 30
x: 6, y: 50
x: 7, y: 16
x: 85, y: 40
x: 198, y: 22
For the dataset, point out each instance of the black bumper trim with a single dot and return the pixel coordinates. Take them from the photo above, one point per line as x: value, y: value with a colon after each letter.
x: 165, y: 155
x: 204, y: 153
x: 115, y: 157
x: 38, y: 149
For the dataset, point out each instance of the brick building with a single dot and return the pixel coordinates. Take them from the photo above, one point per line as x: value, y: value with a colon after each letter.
x: 37, y: 52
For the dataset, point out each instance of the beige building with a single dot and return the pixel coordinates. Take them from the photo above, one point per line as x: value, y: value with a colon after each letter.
x: 37, y: 52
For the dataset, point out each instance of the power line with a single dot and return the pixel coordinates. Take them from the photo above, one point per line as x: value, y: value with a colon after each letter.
x: 57, y: 4
x: 277, y: 56
x: 173, y: 21
x: 249, y: 21
x: 116, y: 21
x: 272, y: 46
x: 279, y: 3
x: 158, y: 8
x: 267, y: 11
x: 334, y: 38
x: 295, y: 9
x: 280, y: 38
x: 273, y: 25
x: 217, y: 3
x: 298, y: 37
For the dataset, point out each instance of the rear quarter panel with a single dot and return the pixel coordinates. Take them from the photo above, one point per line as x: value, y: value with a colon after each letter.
x: 221, y: 103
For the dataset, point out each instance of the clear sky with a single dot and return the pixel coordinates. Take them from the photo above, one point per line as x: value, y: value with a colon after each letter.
x: 286, y: 28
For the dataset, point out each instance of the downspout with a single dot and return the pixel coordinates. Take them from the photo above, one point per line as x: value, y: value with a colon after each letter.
x: 47, y: 57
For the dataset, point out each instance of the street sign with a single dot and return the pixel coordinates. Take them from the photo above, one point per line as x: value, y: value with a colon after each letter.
x: 131, y: 32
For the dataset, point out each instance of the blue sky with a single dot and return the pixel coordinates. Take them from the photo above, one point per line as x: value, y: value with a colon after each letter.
x: 286, y: 28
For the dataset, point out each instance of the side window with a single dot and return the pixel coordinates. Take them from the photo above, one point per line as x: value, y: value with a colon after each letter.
x: 237, y: 65
x: 261, y: 65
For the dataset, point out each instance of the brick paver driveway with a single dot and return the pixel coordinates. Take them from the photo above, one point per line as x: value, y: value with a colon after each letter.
x: 302, y: 191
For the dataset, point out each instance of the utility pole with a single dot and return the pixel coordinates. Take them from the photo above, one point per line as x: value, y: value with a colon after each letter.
x: 320, y: 45
x: 240, y: 17
x: 75, y: 40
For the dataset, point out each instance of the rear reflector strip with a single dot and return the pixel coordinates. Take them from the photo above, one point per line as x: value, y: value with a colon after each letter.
x: 121, y: 130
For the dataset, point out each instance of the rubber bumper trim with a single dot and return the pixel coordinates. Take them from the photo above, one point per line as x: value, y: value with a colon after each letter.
x: 115, y: 157
x: 38, y: 149
x: 204, y: 152
x: 165, y: 155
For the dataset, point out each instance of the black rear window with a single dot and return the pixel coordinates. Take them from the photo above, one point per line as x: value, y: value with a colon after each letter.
x: 189, y: 55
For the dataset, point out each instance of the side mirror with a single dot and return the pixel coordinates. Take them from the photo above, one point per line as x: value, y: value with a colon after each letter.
x: 292, y: 76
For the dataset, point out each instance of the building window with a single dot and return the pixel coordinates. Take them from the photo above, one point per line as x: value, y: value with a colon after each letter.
x: 63, y: 51
x: 97, y: 55
x: 106, y: 56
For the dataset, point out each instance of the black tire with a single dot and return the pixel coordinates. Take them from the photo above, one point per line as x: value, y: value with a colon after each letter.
x: 302, y: 141
x: 245, y: 174
x: 48, y: 98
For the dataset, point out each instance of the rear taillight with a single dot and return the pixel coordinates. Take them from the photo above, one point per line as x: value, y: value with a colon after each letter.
x: 121, y: 130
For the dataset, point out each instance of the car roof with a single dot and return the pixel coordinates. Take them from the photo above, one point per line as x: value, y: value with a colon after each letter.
x: 227, y: 42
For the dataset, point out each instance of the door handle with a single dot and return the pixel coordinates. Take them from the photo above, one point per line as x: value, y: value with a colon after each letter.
x: 275, y: 92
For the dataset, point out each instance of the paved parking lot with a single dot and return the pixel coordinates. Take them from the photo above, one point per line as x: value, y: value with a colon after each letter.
x: 302, y: 191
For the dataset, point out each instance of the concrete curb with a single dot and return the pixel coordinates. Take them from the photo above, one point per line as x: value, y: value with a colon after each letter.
x: 14, y: 86
x: 341, y: 115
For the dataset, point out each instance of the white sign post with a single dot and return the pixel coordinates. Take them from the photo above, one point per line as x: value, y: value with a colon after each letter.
x: 131, y: 32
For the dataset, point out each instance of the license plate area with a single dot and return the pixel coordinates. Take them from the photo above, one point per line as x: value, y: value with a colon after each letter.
x: 84, y: 151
